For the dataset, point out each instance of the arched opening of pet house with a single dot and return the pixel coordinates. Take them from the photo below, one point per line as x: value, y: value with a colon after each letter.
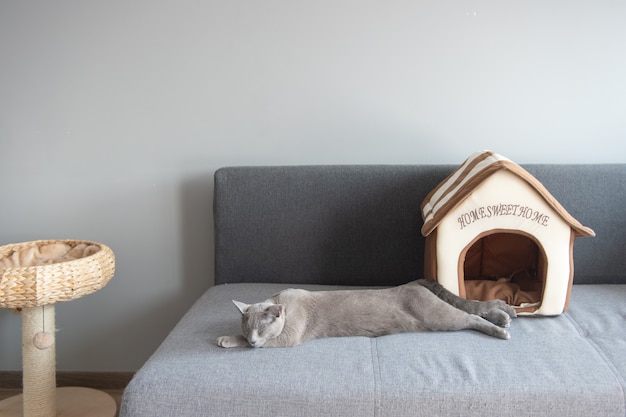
x: 505, y: 265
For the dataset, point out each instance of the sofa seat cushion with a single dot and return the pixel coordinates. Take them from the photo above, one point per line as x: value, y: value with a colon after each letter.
x: 551, y: 366
x: 599, y: 313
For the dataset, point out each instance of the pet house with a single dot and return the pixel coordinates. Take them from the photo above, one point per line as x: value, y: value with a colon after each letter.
x: 494, y: 231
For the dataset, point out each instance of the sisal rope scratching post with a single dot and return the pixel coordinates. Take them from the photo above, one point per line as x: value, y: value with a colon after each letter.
x: 38, y: 365
x: 34, y: 276
x: 38, y: 362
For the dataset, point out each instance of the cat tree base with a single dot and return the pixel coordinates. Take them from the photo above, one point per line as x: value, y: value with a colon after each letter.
x: 70, y: 402
x: 40, y: 396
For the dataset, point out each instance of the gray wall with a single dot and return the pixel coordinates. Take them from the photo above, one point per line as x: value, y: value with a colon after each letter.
x: 115, y: 114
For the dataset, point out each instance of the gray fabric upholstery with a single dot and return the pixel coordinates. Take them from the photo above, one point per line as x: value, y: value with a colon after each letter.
x: 352, y: 225
x: 360, y: 225
x: 596, y: 196
x: 571, y: 365
x: 279, y: 227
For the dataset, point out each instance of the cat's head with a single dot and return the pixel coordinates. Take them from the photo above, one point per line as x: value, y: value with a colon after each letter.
x: 261, y: 321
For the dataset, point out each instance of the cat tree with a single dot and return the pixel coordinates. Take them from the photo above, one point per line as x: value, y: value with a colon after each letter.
x: 34, y: 276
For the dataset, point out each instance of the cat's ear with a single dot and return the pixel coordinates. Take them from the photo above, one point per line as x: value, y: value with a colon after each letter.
x: 243, y: 307
x: 276, y: 310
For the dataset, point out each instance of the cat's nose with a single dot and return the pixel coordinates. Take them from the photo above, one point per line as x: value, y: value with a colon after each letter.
x: 253, y: 338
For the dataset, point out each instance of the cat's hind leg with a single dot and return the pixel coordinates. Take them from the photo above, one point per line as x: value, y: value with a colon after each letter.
x: 497, y: 317
x: 437, y: 315
x: 496, y: 311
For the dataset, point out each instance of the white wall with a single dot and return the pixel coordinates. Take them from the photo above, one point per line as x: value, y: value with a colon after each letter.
x: 115, y: 114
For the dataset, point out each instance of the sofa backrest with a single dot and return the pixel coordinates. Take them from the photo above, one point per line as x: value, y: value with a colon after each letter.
x: 360, y: 224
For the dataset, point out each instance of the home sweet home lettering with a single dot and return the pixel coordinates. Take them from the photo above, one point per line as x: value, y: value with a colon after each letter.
x: 502, y: 209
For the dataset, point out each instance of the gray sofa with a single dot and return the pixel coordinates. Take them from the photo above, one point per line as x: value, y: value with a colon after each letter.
x: 328, y: 227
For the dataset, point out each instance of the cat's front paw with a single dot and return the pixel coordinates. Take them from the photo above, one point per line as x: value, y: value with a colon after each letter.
x: 231, y: 341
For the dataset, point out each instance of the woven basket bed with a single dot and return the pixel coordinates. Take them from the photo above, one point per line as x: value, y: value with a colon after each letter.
x: 48, y: 281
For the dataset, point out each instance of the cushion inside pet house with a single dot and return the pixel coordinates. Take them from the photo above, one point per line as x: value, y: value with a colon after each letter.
x: 494, y: 231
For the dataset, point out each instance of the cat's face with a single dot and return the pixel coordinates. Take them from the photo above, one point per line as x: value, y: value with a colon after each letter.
x: 261, y: 322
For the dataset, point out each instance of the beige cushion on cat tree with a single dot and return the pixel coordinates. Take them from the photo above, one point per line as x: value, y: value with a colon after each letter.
x: 33, y: 277
x: 494, y: 231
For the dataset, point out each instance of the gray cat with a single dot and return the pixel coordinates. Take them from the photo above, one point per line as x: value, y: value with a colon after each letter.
x: 292, y: 316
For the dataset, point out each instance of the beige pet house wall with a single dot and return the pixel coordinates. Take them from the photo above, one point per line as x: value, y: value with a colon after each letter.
x: 494, y: 231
